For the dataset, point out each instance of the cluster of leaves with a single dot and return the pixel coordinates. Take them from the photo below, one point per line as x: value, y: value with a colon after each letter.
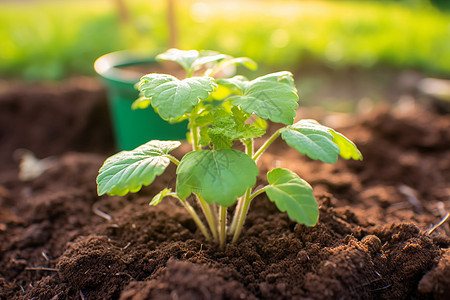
x: 221, y: 112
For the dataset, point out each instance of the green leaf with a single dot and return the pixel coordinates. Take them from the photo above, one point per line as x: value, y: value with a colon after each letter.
x: 319, y: 142
x: 248, y: 131
x: 348, y: 150
x: 219, y: 176
x: 260, y: 123
x: 204, y: 120
x: 182, y: 57
x: 208, y: 56
x: 312, y: 139
x: 128, y: 171
x: 239, y: 115
x: 140, y: 103
x: 272, y: 96
x: 205, y: 140
x: 158, y: 197
x: 243, y: 61
x: 191, y: 60
x: 172, y: 98
x: 238, y: 83
x: 293, y: 195
x: 221, y: 137
x: 228, y: 127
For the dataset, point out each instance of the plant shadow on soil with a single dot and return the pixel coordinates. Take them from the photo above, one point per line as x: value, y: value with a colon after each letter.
x: 371, y: 241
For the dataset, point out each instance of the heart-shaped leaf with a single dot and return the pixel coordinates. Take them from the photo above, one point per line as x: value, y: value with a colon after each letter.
x: 171, y: 97
x: 319, y: 142
x: 219, y: 176
x: 128, y: 171
x: 272, y: 96
x: 293, y: 195
x: 313, y: 140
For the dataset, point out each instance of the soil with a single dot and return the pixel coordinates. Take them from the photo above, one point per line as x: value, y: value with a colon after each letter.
x: 59, y: 240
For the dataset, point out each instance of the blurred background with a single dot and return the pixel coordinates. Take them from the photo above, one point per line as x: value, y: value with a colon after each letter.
x: 337, y: 49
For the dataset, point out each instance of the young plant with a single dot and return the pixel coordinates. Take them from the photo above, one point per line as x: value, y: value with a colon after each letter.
x: 221, y: 112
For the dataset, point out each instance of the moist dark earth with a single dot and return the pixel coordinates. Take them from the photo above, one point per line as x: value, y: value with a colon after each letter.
x: 59, y: 240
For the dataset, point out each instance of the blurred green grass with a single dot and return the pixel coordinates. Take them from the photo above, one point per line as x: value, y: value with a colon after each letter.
x: 52, y: 40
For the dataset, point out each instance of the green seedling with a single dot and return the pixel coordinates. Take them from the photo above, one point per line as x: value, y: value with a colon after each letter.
x: 222, y: 112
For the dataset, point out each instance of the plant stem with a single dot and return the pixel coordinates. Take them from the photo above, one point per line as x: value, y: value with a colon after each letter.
x: 210, y: 218
x: 223, y: 227
x: 242, y: 215
x: 267, y: 144
x: 194, y: 130
x: 248, y: 198
x: 237, y: 213
x: 258, y: 192
x: 249, y: 149
x: 194, y: 134
x: 196, y: 218
x: 173, y: 159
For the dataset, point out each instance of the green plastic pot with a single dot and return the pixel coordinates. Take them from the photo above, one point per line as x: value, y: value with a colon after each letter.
x: 132, y: 128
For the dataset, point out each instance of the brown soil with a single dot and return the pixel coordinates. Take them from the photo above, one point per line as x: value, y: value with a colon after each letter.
x: 371, y: 241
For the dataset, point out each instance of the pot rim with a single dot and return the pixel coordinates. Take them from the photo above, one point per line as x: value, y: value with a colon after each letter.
x: 108, y: 65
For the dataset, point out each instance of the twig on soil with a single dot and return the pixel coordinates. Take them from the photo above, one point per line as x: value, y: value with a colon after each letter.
x: 45, y: 256
x: 82, y: 295
x: 439, y: 224
x: 41, y: 269
x: 124, y: 274
x: 103, y: 215
x: 126, y: 246
x: 99, y: 213
x: 381, y: 288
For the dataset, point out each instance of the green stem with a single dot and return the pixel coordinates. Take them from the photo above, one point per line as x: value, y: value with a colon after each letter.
x: 194, y: 134
x: 223, y: 227
x: 258, y: 192
x: 209, y: 217
x: 237, y: 213
x: 267, y: 144
x: 243, y: 214
x: 249, y: 149
x: 197, y: 220
x: 173, y: 159
x: 194, y: 130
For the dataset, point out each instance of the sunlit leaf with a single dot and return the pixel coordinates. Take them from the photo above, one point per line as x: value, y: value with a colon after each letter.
x: 319, y: 142
x: 313, y: 140
x: 128, y: 171
x: 182, y: 57
x: 219, y: 176
x: 237, y: 61
x: 239, y: 83
x: 172, y: 97
x: 230, y: 126
x: 192, y: 60
x: 293, y: 195
x: 272, y: 96
x: 160, y: 196
x: 348, y: 150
